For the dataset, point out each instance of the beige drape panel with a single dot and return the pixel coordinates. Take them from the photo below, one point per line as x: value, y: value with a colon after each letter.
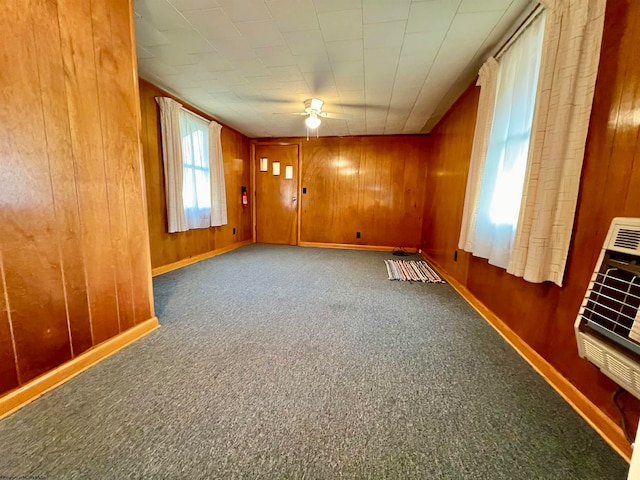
x: 487, y: 81
x: 216, y: 175
x: 569, y: 65
x: 172, y: 161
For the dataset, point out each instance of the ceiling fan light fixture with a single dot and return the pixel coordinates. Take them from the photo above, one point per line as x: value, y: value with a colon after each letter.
x: 312, y: 121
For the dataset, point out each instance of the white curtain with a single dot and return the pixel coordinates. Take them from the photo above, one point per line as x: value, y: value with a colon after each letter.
x: 172, y: 162
x: 196, y: 185
x: 570, y: 57
x: 218, y: 190
x: 487, y: 81
x: 499, y: 186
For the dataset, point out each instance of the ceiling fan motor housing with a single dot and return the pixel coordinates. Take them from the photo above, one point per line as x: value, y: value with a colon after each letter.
x: 313, y: 105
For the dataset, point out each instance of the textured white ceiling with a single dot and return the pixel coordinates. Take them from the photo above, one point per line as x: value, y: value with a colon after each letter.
x: 389, y: 66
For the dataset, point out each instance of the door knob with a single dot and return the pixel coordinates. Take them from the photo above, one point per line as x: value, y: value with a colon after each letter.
x: 294, y: 199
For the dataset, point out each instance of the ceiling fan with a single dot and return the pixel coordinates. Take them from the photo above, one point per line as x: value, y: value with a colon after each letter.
x: 314, y: 113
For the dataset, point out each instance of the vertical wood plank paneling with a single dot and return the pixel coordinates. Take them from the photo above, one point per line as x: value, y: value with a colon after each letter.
x: 71, y: 184
x: 380, y: 194
x: 32, y: 267
x: 235, y: 151
x: 58, y: 137
x: 543, y: 314
x: 88, y: 147
x: 132, y: 170
x: 414, y: 183
x: 371, y: 185
x: 169, y: 248
x: 449, y: 153
x: 320, y: 185
x: 366, y: 200
x: 127, y: 127
x: 116, y: 159
x: 344, y: 170
x: 244, y: 218
x: 112, y: 146
x: 154, y: 178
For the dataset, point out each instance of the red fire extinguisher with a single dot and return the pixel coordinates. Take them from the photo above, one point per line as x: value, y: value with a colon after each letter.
x: 245, y: 197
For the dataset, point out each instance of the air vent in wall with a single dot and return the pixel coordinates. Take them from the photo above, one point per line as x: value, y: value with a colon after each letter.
x: 596, y: 354
x: 627, y: 239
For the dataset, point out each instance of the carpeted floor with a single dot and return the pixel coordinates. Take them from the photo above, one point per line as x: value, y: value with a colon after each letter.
x: 298, y: 363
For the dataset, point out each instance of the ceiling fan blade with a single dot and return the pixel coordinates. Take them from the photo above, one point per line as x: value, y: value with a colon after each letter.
x: 289, y: 113
x: 368, y: 106
x: 337, y: 116
x: 265, y: 98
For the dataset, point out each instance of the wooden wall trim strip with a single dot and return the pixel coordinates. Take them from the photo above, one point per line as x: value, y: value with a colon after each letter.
x: 198, y: 258
x: 353, y: 246
x: 28, y: 392
x: 596, y: 418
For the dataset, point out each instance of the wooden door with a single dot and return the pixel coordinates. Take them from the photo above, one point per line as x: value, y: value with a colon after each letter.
x: 277, y: 194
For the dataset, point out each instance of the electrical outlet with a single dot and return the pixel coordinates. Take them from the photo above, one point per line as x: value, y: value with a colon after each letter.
x: 234, y: 231
x: 455, y: 256
x: 357, y: 234
x: 304, y: 190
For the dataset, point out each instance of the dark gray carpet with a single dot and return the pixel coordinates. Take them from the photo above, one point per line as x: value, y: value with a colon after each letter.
x: 298, y: 363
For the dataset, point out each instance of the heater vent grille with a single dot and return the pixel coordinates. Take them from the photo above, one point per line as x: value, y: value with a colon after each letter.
x: 627, y: 239
x: 608, y: 324
x: 619, y: 369
x: 594, y: 353
x: 613, y: 304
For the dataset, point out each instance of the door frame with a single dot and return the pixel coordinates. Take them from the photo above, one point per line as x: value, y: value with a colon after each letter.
x: 275, y: 142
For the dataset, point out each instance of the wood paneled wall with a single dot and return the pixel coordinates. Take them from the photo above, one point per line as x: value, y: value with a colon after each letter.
x: 74, y: 257
x: 543, y: 314
x: 450, y: 152
x: 372, y: 185
x: 167, y: 248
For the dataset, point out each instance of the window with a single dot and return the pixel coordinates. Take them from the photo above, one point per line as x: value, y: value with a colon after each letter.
x: 511, y: 127
x: 195, y: 192
x: 196, y: 183
x: 500, y: 190
x: 524, y: 174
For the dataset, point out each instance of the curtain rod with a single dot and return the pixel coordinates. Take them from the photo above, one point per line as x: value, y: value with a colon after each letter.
x: 535, y: 13
x: 196, y: 115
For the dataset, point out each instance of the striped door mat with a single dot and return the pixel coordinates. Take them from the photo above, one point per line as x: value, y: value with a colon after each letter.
x: 412, y: 271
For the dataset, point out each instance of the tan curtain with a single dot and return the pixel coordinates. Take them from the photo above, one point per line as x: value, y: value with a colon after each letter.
x: 487, y: 81
x: 216, y: 175
x: 569, y: 65
x: 172, y: 162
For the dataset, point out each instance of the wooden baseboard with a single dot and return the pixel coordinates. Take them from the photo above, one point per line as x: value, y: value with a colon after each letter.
x: 596, y: 418
x: 198, y: 258
x: 353, y: 246
x: 25, y: 394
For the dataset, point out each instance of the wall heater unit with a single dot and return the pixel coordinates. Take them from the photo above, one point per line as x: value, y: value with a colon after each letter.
x: 608, y: 324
